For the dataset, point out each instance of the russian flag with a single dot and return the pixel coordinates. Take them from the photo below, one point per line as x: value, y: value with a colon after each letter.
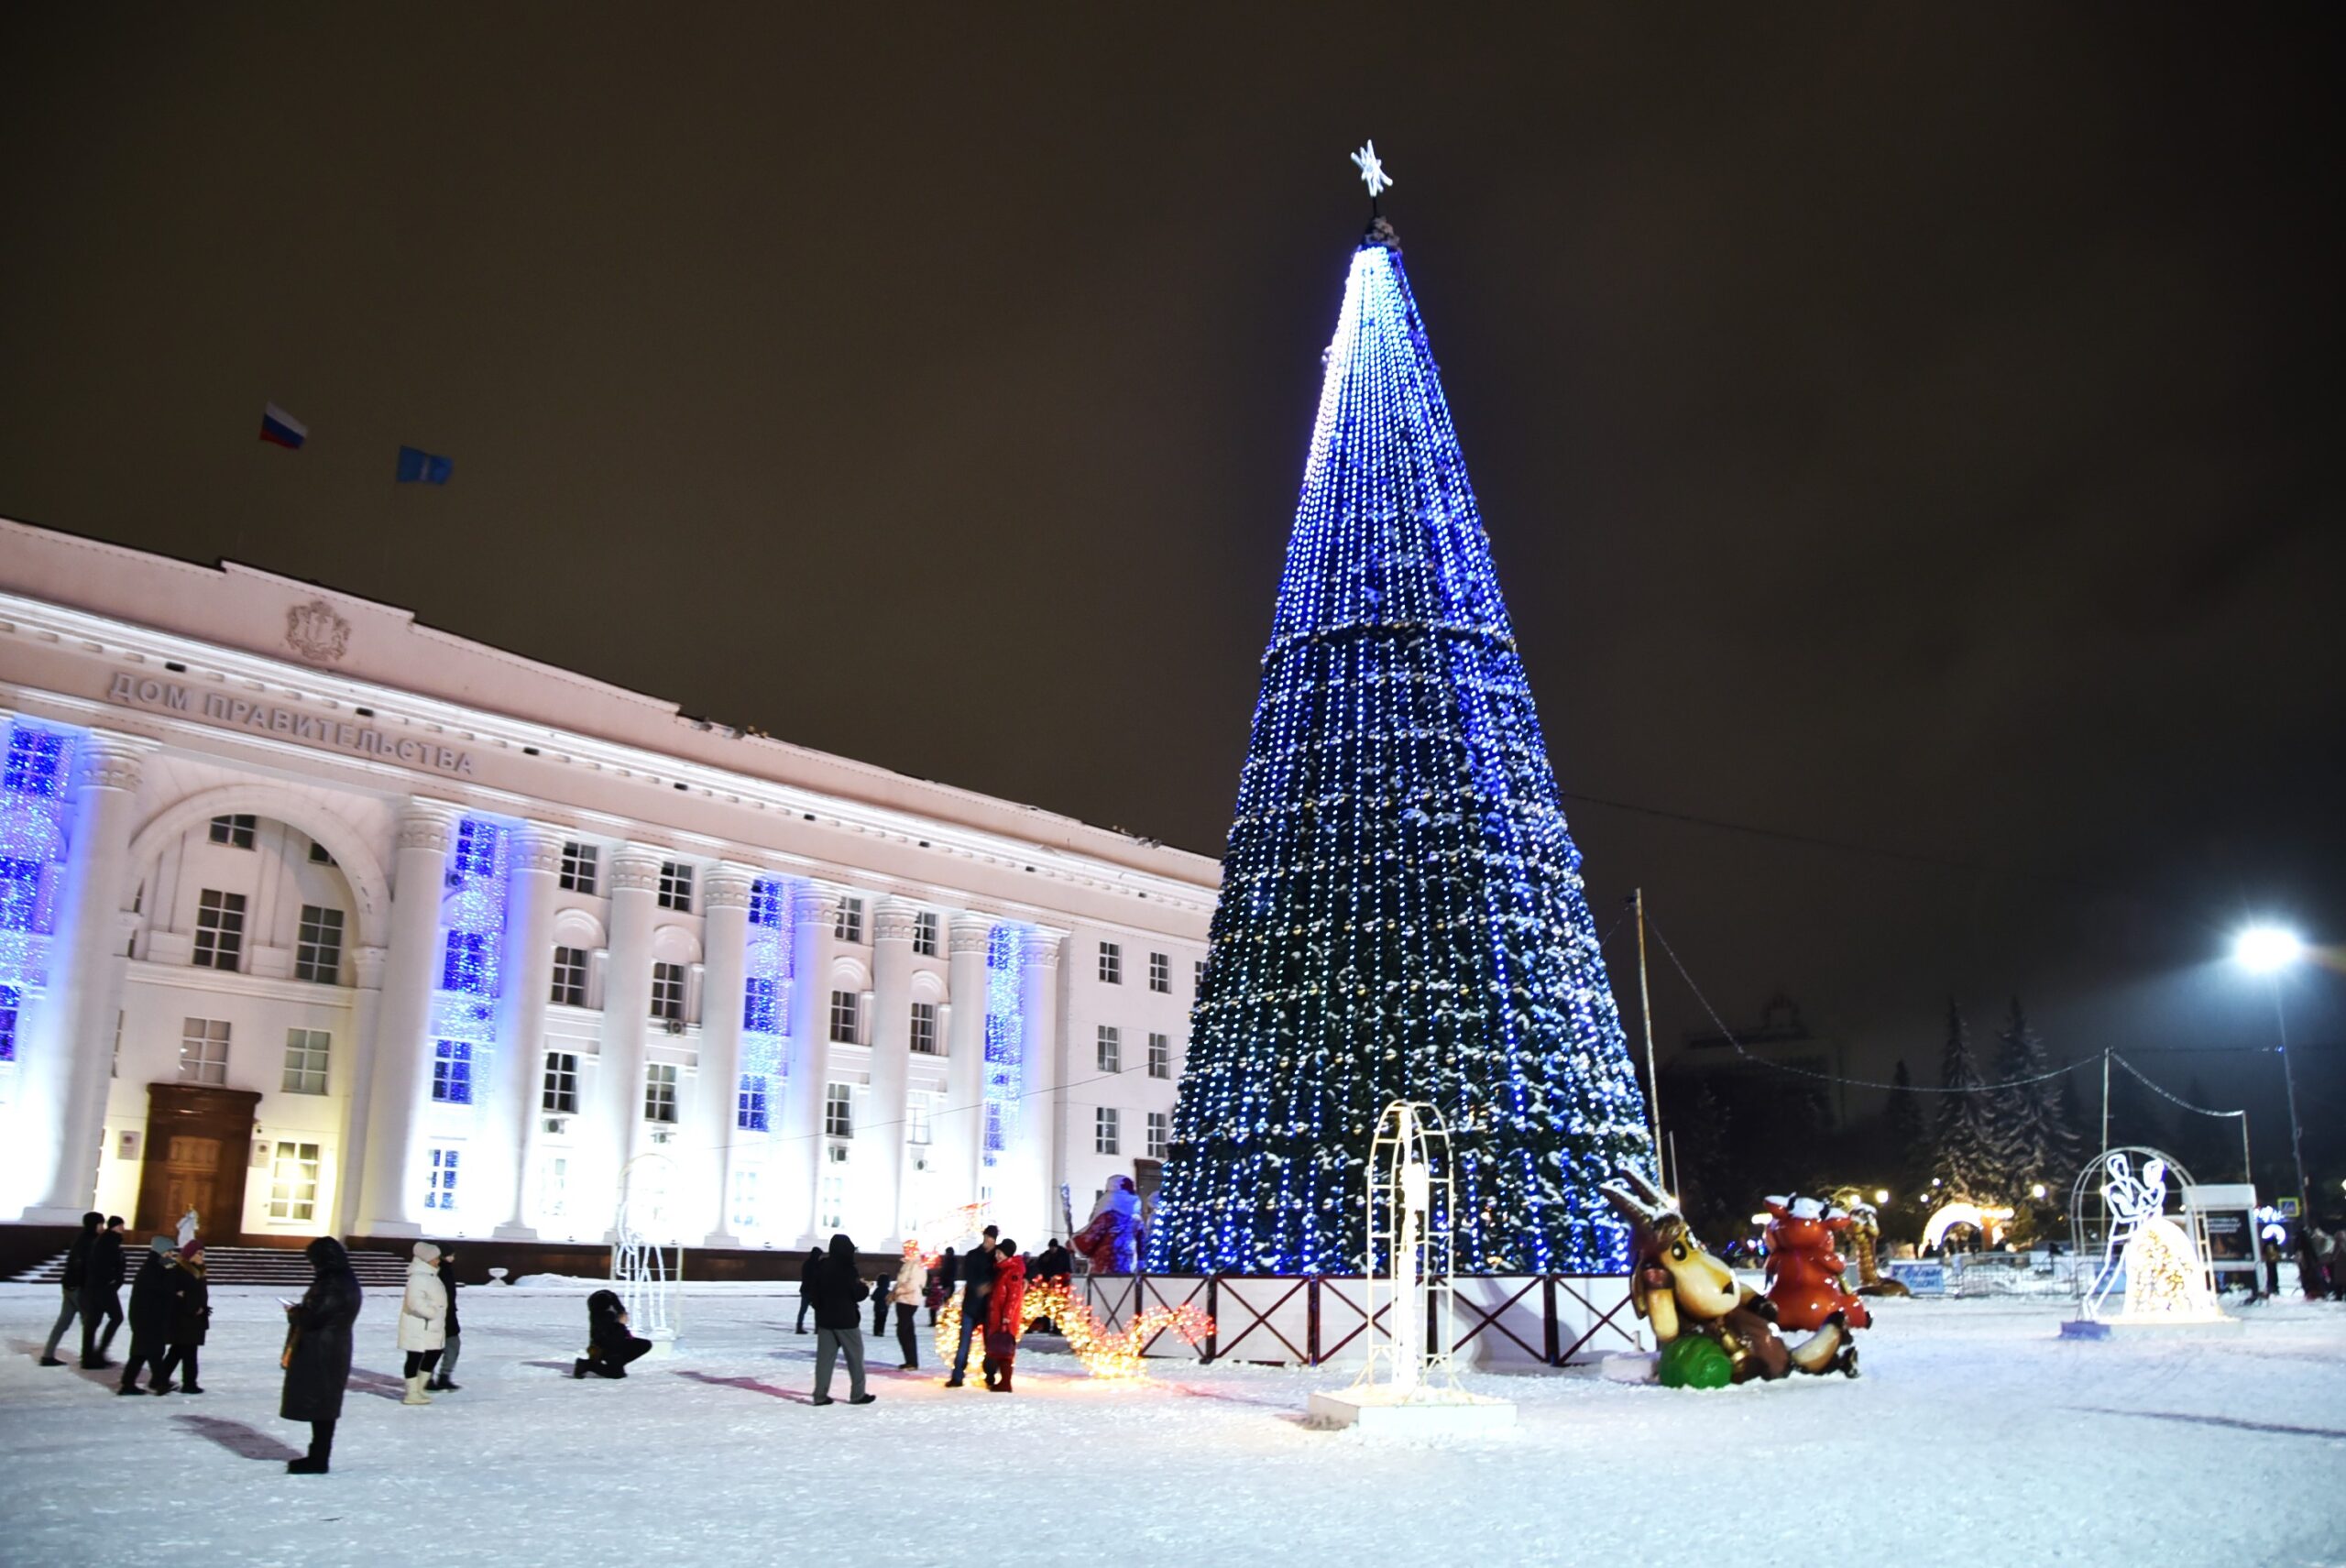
x: 281, y: 428
x: 418, y: 466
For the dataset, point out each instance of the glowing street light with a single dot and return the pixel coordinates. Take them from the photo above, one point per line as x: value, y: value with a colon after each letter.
x: 2268, y: 949
x: 1881, y: 1194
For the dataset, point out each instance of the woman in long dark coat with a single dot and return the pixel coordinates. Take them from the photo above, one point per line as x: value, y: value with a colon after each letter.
x: 317, y: 1352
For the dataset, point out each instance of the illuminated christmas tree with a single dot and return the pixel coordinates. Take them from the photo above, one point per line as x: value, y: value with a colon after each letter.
x: 1401, y: 911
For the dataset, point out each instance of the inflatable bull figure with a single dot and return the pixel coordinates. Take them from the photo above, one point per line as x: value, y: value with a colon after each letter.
x: 1713, y: 1329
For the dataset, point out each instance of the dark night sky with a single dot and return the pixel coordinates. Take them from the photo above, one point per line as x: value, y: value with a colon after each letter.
x: 1915, y: 433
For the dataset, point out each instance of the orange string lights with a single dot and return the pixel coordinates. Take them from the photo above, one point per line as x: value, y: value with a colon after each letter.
x: 1103, y: 1354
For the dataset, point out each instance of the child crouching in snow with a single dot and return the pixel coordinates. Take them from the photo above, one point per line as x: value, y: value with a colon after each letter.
x: 609, y: 1347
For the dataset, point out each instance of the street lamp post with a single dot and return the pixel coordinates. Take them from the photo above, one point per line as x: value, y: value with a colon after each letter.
x: 2269, y: 950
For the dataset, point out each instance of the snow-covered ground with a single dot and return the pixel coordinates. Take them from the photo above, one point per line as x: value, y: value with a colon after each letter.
x: 1975, y: 1435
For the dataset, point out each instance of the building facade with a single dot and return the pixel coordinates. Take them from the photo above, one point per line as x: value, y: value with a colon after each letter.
x: 322, y: 921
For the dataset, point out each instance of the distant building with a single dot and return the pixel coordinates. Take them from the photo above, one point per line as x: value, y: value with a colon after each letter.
x: 1778, y: 1041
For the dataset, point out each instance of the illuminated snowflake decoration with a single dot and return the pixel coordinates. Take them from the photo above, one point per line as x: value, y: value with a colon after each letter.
x: 1372, y: 171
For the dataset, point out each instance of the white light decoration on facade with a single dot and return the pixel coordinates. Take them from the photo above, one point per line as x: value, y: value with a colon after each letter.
x: 1005, y: 1039
x: 33, y: 783
x: 765, y: 1019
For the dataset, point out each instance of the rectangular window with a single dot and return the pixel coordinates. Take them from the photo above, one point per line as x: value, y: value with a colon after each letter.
x: 832, y: 1211
x: 839, y: 1111
x: 558, y: 1095
x: 452, y: 1071
x: 439, y: 1192
x: 1111, y: 964
x: 925, y: 933
x: 1160, y: 1134
x: 318, y: 955
x: 19, y: 893
x: 1198, y: 976
x: 660, y: 1092
x: 1111, y: 1048
x: 848, y: 926
x: 668, y: 992
x: 570, y: 976
x: 236, y: 832
x: 306, y: 1052
x: 319, y: 856
x: 578, y: 868
x: 924, y: 1028
x: 1160, y: 1057
x: 203, y: 1051
x: 917, y: 1119
x: 745, y: 1200
x: 1105, y: 1136
x: 11, y: 998
x: 676, y: 886
x: 294, y: 1182
x: 219, y: 929
x: 465, y: 961
x: 761, y: 1005
x: 1160, y: 972
x: 751, y: 1109
x: 846, y: 1018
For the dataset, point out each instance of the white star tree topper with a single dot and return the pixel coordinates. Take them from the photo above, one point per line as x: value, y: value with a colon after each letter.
x: 1372, y: 171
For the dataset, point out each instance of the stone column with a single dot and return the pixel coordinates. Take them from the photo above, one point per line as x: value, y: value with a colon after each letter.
x: 958, y: 1131
x: 1030, y: 1194
x: 85, y: 986
x: 892, y: 1028
x: 354, y: 1068
x: 400, y: 1056
x: 531, y: 886
x: 813, y: 913
x: 725, y: 939
x: 627, y: 1004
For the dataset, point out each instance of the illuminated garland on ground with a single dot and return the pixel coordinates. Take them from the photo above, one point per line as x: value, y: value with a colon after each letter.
x: 1104, y: 1354
x: 1402, y: 915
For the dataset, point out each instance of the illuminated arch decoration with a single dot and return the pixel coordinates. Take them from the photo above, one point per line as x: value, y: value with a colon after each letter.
x: 1989, y: 1220
x: 2133, y: 1207
x: 1115, y: 1354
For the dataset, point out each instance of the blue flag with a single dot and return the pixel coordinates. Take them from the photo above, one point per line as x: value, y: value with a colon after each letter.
x: 417, y: 467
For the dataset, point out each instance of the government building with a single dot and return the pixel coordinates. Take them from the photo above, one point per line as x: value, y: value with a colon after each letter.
x: 317, y: 920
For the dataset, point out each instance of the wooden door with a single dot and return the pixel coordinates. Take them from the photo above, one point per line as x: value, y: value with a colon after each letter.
x: 191, y: 1177
x: 199, y: 1144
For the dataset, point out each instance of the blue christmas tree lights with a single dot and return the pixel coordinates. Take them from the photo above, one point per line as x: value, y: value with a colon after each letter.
x: 1401, y: 912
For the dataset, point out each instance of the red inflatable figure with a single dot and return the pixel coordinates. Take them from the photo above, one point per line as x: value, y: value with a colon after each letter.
x: 1803, y: 1268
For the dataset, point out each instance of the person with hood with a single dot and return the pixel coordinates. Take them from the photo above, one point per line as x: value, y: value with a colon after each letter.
x: 1006, y: 1317
x: 610, y: 1346
x: 423, y: 1317
x: 102, y: 1295
x: 806, y: 1267
x: 838, y: 1292
x: 317, y: 1352
x: 910, y: 1278
x: 977, y: 1276
x: 150, y: 1320
x: 443, y: 1381
x: 941, y: 1280
x: 190, y: 1316
x: 77, y: 1270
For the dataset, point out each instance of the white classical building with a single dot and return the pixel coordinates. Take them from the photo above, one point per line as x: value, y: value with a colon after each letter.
x: 324, y: 921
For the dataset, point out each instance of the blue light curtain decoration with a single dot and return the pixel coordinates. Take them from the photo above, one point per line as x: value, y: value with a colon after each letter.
x: 472, y: 925
x: 764, y: 1004
x: 35, y: 783
x: 1401, y: 911
x: 1005, y: 1041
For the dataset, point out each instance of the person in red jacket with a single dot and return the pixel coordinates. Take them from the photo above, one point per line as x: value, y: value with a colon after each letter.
x: 1006, y: 1317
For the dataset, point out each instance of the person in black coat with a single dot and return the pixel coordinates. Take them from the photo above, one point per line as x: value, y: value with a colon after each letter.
x: 609, y: 1345
x: 77, y: 1269
x: 977, y: 1271
x: 813, y: 1261
x: 941, y: 1280
x: 443, y: 1376
x: 317, y: 1352
x: 838, y: 1292
x: 102, y: 1295
x: 190, y: 1316
x: 150, y: 1320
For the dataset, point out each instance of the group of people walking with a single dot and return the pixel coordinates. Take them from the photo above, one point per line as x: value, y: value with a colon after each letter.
x: 170, y: 1305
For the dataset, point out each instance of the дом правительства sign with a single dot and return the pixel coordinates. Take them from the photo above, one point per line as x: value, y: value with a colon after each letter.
x: 359, y: 739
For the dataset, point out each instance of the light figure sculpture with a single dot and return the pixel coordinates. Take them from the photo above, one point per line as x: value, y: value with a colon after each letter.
x: 1402, y: 915
x: 646, y: 1263
x: 2154, y: 1261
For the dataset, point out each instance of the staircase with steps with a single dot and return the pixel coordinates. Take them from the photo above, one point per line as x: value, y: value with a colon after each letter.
x: 257, y: 1265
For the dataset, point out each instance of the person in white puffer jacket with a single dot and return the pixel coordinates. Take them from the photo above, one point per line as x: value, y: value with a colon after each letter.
x: 423, y: 1320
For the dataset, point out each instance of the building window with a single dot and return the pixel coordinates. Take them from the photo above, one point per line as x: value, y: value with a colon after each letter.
x: 925, y: 1029
x: 578, y: 868
x: 319, y: 854
x: 554, y: 1187
x: 219, y: 929
x: 668, y: 992
x: 204, y: 1051
x: 440, y: 1192
x: 11, y: 998
x: 1111, y: 964
x: 570, y: 976
x: 839, y: 1111
x: 676, y: 886
x: 559, y: 1095
x: 925, y: 933
x: 318, y: 956
x: 1160, y: 1057
x: 1111, y: 1048
x: 294, y: 1182
x: 750, y: 1110
x: 1198, y: 976
x: 846, y: 1018
x: 848, y: 926
x: 1104, y: 1131
x: 745, y: 1200
x: 832, y: 1213
x: 452, y: 1071
x: 1160, y: 1134
x: 1160, y: 973
x: 306, y: 1051
x: 466, y: 961
x: 236, y: 832
x: 917, y: 1119
x: 660, y: 1092
x: 20, y: 892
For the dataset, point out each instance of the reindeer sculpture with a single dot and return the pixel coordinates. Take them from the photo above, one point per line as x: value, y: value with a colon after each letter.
x: 1680, y: 1289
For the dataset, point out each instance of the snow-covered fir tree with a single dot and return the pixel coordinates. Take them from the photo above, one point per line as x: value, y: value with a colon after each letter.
x: 1964, y: 1155
x: 2034, y: 1143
